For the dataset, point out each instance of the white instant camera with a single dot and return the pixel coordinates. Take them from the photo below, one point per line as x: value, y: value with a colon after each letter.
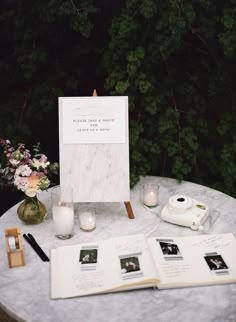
x: 185, y: 211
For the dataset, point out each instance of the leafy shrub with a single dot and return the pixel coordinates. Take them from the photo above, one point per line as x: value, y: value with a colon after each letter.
x: 176, y: 62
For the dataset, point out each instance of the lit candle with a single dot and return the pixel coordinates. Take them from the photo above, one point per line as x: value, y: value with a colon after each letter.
x: 150, y: 194
x: 63, y: 218
x: 87, y: 218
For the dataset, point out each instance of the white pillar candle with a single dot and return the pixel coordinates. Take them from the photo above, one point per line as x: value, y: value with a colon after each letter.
x: 63, y: 218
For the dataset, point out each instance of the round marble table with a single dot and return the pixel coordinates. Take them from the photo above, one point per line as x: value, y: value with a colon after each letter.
x: 25, y: 291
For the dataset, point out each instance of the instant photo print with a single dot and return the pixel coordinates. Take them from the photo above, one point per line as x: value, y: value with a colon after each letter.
x: 216, y: 263
x: 131, y: 266
x: 170, y: 249
x: 88, y: 258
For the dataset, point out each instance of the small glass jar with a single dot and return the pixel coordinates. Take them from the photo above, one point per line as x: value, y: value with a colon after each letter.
x: 87, y: 217
x: 150, y: 194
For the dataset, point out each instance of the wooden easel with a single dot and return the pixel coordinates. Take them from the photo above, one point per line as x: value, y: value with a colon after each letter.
x: 127, y: 203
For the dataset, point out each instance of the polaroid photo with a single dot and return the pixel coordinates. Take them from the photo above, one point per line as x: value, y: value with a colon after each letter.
x: 170, y: 249
x: 88, y: 258
x: 216, y: 264
x: 130, y: 266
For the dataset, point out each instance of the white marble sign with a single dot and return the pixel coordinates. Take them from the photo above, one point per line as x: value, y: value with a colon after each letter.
x: 93, y: 120
x: 94, y: 148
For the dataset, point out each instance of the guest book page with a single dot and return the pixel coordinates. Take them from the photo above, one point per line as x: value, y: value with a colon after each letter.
x: 195, y: 260
x: 94, y: 148
x: 106, y: 266
x: 132, y: 262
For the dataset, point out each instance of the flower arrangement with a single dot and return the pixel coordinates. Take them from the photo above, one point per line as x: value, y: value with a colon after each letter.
x: 28, y: 172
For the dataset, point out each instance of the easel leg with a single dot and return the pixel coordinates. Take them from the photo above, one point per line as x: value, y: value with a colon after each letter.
x: 129, y: 209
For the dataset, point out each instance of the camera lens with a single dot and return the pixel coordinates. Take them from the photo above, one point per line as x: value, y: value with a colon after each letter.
x: 180, y: 199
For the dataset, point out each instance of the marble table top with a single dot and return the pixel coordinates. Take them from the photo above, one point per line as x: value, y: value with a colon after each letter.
x: 25, y: 291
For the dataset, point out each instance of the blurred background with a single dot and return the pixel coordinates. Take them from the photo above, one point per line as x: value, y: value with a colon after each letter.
x: 174, y: 59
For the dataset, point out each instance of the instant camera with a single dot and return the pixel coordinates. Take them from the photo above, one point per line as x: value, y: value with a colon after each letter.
x: 185, y: 211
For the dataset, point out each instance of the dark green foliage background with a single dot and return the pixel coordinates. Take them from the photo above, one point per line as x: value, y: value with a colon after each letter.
x: 174, y: 59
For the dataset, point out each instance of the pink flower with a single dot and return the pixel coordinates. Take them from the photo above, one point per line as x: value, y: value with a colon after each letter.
x: 21, y: 183
x: 38, y: 174
x: 43, y: 158
x: 21, y: 146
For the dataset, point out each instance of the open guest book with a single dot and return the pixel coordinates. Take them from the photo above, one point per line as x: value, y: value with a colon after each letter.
x: 133, y: 262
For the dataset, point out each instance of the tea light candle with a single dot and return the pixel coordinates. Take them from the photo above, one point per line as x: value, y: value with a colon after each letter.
x: 150, y: 194
x: 87, y: 218
x: 64, y: 220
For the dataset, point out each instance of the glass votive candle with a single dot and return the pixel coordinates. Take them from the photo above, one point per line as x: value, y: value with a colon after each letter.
x: 63, y: 212
x: 150, y: 194
x: 87, y: 217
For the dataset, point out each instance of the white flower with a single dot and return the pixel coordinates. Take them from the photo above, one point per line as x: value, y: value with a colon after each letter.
x: 14, y: 162
x: 23, y: 170
x: 39, y: 164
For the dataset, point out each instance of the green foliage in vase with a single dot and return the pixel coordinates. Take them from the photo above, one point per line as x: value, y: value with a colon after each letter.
x: 176, y: 62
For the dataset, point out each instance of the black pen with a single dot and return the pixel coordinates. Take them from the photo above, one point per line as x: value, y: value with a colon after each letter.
x: 39, y: 248
x: 33, y: 245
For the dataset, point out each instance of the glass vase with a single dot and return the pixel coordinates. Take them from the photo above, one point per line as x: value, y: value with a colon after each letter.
x: 32, y: 210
